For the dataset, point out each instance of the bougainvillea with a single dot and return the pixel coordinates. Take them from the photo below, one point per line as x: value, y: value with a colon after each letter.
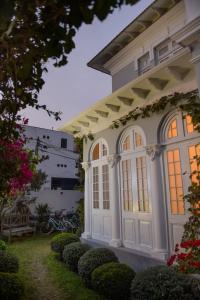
x: 186, y: 257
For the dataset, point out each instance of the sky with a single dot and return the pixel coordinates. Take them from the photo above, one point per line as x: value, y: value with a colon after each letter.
x: 73, y: 88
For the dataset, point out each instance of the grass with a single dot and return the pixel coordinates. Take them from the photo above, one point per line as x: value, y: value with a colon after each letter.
x: 44, y: 276
x: 69, y: 282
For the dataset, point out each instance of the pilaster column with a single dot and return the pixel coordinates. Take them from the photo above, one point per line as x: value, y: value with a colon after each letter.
x: 114, y: 200
x: 158, y: 207
x: 87, y: 207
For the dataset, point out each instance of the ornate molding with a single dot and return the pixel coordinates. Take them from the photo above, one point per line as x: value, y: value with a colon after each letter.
x: 113, y: 159
x: 153, y: 150
x: 86, y: 165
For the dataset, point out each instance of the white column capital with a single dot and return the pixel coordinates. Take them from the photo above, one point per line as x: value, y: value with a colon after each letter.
x: 86, y: 165
x: 153, y: 150
x: 113, y: 159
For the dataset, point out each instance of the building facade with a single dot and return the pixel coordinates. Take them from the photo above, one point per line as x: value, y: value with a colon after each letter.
x: 60, y: 167
x: 136, y: 175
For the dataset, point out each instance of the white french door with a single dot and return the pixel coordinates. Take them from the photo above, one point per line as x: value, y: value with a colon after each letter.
x: 101, y: 216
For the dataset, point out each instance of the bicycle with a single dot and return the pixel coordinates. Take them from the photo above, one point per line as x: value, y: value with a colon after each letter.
x: 57, y: 223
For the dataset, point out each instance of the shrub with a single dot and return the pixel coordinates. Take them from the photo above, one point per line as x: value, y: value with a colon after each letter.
x: 60, y: 240
x: 163, y: 283
x: 11, y: 287
x: 2, y: 245
x: 113, y: 280
x: 93, y: 259
x: 72, y: 254
x: 8, y: 262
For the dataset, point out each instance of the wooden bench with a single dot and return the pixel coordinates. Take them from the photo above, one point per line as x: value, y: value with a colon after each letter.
x: 16, y: 224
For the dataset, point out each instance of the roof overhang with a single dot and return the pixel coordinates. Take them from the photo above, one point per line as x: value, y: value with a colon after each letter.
x: 169, y: 76
x: 149, y: 16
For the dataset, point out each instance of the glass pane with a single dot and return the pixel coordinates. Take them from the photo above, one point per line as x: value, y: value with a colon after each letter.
x: 138, y: 140
x: 126, y: 143
x: 189, y: 125
x: 95, y: 154
x: 142, y: 184
x: 172, y: 129
x: 126, y: 185
x: 175, y: 182
x: 104, y: 150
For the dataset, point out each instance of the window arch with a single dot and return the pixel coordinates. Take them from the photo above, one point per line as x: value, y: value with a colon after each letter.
x: 134, y: 183
x: 100, y: 175
x: 99, y: 150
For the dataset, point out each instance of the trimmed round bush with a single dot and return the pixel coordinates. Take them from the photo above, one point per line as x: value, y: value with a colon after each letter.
x: 72, y: 254
x: 93, y: 259
x: 11, y: 287
x: 2, y: 245
x: 164, y: 283
x: 60, y: 240
x: 113, y: 280
x: 8, y: 262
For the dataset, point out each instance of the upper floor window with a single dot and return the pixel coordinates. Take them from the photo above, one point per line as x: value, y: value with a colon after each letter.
x: 63, y: 143
x: 144, y: 63
x: 165, y: 50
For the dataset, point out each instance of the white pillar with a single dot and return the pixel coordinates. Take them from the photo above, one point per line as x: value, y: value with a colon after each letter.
x: 158, y: 206
x: 87, y: 202
x: 114, y: 200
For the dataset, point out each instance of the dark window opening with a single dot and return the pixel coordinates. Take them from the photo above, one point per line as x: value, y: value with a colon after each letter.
x: 63, y: 143
x: 63, y: 183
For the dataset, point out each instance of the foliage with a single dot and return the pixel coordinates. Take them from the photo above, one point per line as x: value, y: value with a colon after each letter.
x: 188, y: 102
x: 80, y: 212
x: 160, y: 282
x: 8, y: 262
x: 113, y: 280
x: 31, y: 34
x: 2, y: 245
x: 11, y: 287
x: 60, y: 240
x: 43, y: 211
x: 187, y: 257
x: 93, y: 259
x: 38, y: 179
x: 72, y: 253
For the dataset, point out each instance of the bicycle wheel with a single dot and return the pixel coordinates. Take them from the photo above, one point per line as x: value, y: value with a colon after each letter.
x: 46, y: 228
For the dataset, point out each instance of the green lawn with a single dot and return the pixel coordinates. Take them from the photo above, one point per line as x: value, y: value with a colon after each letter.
x: 44, y: 276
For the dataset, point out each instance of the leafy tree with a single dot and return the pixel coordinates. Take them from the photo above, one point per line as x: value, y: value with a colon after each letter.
x: 32, y: 33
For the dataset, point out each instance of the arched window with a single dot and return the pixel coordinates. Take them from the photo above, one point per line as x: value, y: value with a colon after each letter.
x: 100, y: 175
x: 134, y: 170
x: 180, y: 139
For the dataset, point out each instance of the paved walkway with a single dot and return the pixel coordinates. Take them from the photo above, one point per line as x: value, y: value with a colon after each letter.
x: 137, y: 261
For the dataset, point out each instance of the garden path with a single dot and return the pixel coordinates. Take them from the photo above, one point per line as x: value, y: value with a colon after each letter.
x: 39, y: 285
x: 44, y: 276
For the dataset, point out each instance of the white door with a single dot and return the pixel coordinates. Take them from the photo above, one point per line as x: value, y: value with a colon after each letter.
x: 101, y: 216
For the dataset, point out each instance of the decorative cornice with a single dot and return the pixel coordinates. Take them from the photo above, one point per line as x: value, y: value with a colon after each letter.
x: 153, y: 150
x: 86, y: 165
x: 113, y: 159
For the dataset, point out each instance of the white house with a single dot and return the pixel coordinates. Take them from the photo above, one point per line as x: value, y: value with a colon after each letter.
x: 60, y: 167
x: 136, y: 175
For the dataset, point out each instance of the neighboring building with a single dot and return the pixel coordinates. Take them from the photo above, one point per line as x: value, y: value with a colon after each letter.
x: 60, y: 167
x: 136, y: 175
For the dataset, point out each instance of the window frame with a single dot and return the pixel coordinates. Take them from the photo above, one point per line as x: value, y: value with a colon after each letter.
x: 132, y: 154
